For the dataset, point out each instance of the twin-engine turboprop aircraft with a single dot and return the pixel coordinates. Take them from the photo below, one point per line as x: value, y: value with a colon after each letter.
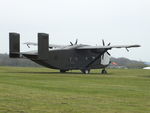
x: 64, y: 58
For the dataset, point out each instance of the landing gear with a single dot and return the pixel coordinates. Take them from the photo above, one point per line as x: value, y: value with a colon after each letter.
x: 103, y: 71
x: 62, y: 71
x: 85, y: 71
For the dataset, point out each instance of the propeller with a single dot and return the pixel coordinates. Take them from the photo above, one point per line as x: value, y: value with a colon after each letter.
x: 76, y: 42
x: 127, y: 49
x: 103, y: 42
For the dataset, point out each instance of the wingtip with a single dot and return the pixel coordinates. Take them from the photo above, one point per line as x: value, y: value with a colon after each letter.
x: 137, y: 45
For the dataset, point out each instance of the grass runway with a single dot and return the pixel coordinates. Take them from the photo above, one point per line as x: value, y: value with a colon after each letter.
x: 42, y: 90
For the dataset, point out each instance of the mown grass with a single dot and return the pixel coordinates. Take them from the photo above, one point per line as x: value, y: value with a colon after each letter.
x: 41, y: 90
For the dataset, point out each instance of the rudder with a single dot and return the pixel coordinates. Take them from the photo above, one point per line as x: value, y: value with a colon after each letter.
x: 43, y: 46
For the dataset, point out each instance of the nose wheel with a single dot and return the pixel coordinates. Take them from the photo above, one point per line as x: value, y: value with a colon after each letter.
x: 104, y: 71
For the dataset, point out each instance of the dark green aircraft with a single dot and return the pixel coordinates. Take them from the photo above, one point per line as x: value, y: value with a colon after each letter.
x: 64, y: 58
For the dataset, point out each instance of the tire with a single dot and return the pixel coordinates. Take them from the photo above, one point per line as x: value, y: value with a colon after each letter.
x: 103, y: 71
x: 62, y: 71
x: 85, y: 71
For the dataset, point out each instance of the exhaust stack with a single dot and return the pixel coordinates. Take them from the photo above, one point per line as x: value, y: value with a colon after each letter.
x: 43, y: 46
x: 14, y: 45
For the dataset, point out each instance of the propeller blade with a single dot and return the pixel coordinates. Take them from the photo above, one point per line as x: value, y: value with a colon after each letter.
x: 71, y: 43
x: 127, y: 49
x: 28, y: 45
x: 102, y: 56
x: 103, y: 42
x: 109, y: 44
x: 108, y: 53
x: 76, y: 42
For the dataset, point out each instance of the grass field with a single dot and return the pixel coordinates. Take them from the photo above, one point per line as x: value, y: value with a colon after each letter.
x: 41, y: 90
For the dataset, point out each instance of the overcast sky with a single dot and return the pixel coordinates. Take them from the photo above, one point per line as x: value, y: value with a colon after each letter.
x: 117, y: 21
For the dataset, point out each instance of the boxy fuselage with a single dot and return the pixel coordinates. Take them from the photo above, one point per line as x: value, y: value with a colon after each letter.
x: 72, y: 59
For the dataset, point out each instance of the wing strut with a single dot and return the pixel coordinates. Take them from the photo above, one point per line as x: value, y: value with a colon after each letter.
x: 98, y: 56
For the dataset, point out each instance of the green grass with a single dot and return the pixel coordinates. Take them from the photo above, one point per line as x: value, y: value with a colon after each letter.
x: 41, y: 90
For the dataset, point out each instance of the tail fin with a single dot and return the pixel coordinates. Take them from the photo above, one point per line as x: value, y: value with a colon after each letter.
x: 43, y: 45
x: 14, y: 45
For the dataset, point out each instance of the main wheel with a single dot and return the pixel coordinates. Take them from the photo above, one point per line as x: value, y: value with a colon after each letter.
x: 85, y: 71
x: 103, y: 71
x: 62, y: 71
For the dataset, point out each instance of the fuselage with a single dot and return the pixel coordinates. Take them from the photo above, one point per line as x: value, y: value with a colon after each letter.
x: 73, y: 59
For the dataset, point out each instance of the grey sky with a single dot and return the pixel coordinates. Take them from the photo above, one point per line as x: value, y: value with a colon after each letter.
x: 116, y: 21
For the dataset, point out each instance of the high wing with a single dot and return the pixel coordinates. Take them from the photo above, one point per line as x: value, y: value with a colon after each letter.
x: 106, y: 47
x: 82, y: 46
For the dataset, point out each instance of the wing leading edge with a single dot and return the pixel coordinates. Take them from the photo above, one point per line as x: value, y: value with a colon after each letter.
x: 107, y: 47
